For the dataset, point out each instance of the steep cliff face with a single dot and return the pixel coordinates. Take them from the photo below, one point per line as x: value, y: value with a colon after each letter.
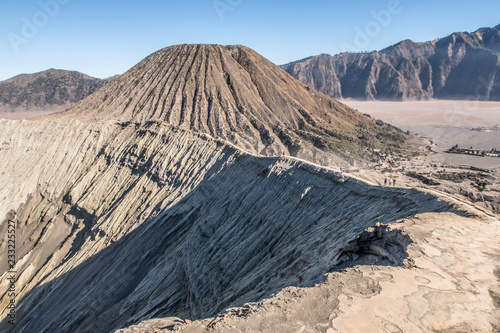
x: 118, y: 223
x: 51, y: 90
x: 460, y: 66
x: 234, y: 94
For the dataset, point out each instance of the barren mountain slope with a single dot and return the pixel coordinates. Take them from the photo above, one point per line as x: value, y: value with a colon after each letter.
x: 233, y: 93
x: 460, y: 66
x: 127, y: 222
x: 138, y: 203
x: 50, y: 90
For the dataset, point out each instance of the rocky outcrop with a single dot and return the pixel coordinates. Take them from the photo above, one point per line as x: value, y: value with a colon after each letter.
x: 460, y: 66
x: 235, y: 94
x: 118, y: 223
x: 50, y: 90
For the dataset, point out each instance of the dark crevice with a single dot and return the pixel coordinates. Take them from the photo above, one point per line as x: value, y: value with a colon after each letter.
x: 376, y: 246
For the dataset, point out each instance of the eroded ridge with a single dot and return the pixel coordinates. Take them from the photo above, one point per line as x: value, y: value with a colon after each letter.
x: 127, y: 222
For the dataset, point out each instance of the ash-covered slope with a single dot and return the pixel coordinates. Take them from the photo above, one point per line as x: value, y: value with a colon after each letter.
x: 460, y: 66
x: 50, y: 90
x: 118, y: 223
x: 233, y: 93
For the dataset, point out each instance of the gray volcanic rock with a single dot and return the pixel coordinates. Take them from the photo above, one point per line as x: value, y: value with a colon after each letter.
x: 118, y: 223
x: 138, y: 203
x: 460, y: 66
x: 50, y: 90
x: 234, y: 94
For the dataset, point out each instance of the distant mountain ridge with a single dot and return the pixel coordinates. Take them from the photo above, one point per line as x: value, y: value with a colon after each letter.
x: 461, y: 66
x: 53, y: 90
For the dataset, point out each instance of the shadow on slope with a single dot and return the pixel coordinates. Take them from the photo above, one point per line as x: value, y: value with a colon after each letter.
x: 243, y: 234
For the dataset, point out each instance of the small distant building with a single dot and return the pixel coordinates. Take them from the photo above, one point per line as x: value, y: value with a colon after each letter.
x: 472, y: 151
x: 476, y: 152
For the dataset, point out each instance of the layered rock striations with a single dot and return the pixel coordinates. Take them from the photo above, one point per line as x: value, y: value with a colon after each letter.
x: 118, y: 223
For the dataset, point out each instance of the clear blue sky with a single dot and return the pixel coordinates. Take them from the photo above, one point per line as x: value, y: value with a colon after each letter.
x: 103, y: 38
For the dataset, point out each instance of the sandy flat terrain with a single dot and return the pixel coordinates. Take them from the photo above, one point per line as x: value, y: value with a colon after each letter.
x: 446, y: 113
x: 23, y: 115
x: 445, y: 123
